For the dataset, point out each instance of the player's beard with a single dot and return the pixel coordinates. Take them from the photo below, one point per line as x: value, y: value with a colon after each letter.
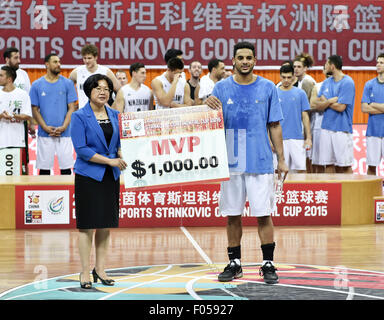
x: 55, y: 71
x: 14, y: 66
x: 244, y: 73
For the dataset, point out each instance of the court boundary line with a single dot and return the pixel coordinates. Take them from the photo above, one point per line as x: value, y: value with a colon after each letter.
x: 2, y: 294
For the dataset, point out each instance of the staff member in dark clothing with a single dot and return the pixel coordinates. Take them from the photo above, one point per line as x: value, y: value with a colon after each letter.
x: 95, y: 137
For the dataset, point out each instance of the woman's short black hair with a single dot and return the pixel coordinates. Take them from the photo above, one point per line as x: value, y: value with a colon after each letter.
x: 93, y: 82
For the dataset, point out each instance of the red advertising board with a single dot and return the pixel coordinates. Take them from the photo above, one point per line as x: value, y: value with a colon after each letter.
x: 194, y: 205
x: 131, y: 31
x: 359, y: 151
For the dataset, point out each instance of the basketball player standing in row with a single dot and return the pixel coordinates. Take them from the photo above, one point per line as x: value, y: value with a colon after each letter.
x: 171, y: 89
x: 12, y: 59
x: 296, y: 127
x: 80, y: 74
x: 251, y: 108
x: 53, y: 99
x: 15, y: 108
x: 134, y: 96
x: 336, y: 98
x: 372, y: 103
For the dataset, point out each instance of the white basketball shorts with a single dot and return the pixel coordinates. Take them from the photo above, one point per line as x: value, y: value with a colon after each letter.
x: 48, y: 147
x: 375, y: 150
x: 336, y: 148
x: 258, y: 188
x: 316, y: 146
x: 295, y: 154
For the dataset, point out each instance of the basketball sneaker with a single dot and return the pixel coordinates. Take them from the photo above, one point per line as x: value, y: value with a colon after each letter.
x: 268, y: 272
x: 231, y: 271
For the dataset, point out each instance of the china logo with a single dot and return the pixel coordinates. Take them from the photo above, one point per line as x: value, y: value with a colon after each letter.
x: 35, y: 199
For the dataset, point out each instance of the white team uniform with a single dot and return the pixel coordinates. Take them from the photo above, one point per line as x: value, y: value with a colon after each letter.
x: 306, y: 77
x: 206, y: 87
x: 82, y: 75
x: 12, y: 133
x: 136, y: 100
x: 316, y: 119
x: 179, y: 94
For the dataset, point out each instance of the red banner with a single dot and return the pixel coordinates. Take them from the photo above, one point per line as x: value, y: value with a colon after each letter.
x: 195, y: 205
x: 131, y: 31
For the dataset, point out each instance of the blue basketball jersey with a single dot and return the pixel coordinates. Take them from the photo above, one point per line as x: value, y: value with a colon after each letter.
x: 374, y: 92
x: 247, y: 110
x: 293, y: 103
x: 53, y: 99
x: 345, y: 91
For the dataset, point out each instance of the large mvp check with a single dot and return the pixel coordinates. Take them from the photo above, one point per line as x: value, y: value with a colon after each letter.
x: 173, y: 146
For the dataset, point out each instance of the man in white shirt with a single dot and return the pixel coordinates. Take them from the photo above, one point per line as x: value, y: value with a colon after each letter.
x: 216, y: 70
x: 11, y: 57
x: 171, y: 90
x: 90, y: 54
x: 134, y: 96
x: 15, y: 108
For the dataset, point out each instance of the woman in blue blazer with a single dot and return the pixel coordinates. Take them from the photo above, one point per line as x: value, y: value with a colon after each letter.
x: 96, y: 139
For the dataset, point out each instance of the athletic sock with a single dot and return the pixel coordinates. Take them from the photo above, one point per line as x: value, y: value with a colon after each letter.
x: 65, y: 171
x: 268, y: 250
x: 234, y: 254
x: 44, y: 172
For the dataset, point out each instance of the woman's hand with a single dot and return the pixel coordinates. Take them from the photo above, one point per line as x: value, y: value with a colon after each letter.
x: 119, y: 163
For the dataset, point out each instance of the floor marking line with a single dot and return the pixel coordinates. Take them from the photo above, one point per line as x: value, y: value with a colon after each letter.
x: 152, y: 281
x: 197, y: 247
x: 205, y: 257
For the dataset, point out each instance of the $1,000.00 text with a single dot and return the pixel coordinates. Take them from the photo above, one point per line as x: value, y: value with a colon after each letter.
x: 140, y: 170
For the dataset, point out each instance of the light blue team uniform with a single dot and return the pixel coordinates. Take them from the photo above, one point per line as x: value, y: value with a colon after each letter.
x: 345, y: 91
x: 247, y: 110
x: 53, y: 100
x: 336, y: 143
x: 374, y: 92
x: 293, y: 102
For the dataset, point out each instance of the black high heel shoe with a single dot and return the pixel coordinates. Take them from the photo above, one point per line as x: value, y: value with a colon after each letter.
x: 106, y: 282
x: 85, y: 285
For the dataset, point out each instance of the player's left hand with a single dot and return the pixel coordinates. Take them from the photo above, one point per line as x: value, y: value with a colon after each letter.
x: 213, y: 102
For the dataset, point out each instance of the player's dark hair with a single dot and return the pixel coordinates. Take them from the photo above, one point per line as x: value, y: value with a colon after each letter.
x: 135, y: 67
x: 243, y: 45
x: 48, y: 56
x: 286, y: 68
x: 290, y: 62
x: 172, y: 53
x: 381, y: 55
x: 213, y: 64
x: 93, y: 82
x: 175, y: 64
x: 337, y: 61
x: 8, y: 52
x: 10, y: 72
